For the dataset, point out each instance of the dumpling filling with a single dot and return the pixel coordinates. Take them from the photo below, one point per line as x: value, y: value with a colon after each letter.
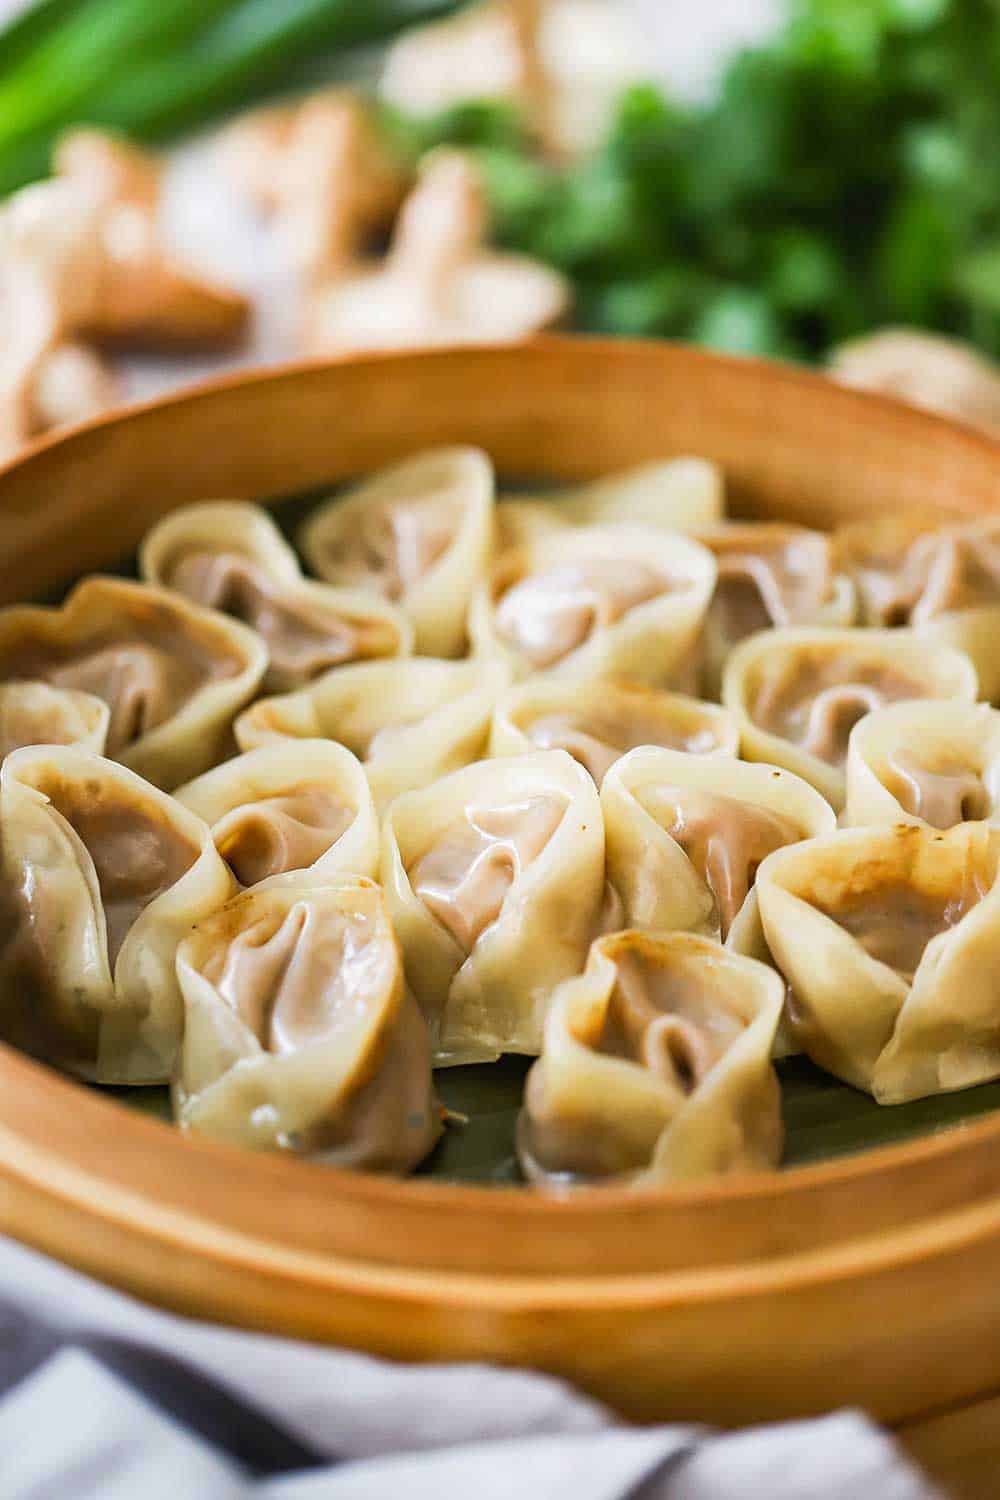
x: 660, y: 1018
x: 145, y: 669
x: 725, y: 839
x: 464, y: 877
x: 819, y: 699
x: 305, y: 980
x: 303, y: 638
x: 137, y: 854
x: 597, y: 740
x: 960, y: 569
x: 771, y: 578
x: 895, y: 922
x: 390, y: 548
x: 546, y: 616
x: 334, y: 1057
x: 909, y: 571
x: 275, y: 835
x: 669, y: 1019
x: 949, y: 792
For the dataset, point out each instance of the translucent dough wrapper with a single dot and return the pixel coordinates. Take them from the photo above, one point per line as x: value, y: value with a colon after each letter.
x: 598, y: 722
x: 32, y: 713
x: 685, y: 835
x: 300, y: 1035
x: 890, y: 940
x: 594, y: 603
x: 172, y: 674
x: 910, y: 568
x: 798, y: 693
x: 927, y: 763
x: 102, y: 876
x: 494, y: 878
x: 410, y: 722
x: 655, y: 1067
x: 418, y: 534
x: 287, y: 806
x: 675, y: 494
x: 976, y: 632
x: 769, y: 575
x: 229, y: 555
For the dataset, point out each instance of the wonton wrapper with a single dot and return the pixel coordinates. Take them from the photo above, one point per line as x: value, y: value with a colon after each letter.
x: 485, y: 982
x: 299, y: 1032
x: 928, y: 763
x: 661, y: 887
x: 676, y: 494
x: 598, y: 722
x: 594, y: 603
x: 230, y: 556
x: 844, y: 674
x: 102, y: 876
x: 410, y: 722
x: 769, y: 575
x: 172, y: 674
x: 32, y: 713
x: 420, y: 534
x: 651, y: 1087
x: 290, y: 805
x: 911, y: 569
x: 925, y: 1020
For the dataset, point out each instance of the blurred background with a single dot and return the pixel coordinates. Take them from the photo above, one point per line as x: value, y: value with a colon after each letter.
x: 199, y: 184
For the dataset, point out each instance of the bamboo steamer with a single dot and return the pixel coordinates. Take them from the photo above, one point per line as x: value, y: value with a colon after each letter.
x: 871, y: 1280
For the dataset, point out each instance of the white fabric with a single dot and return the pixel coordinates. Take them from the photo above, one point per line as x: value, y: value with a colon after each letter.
x: 75, y: 1428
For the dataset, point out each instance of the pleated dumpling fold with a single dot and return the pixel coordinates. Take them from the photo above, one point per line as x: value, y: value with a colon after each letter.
x: 890, y: 941
x: 798, y: 693
x: 596, y: 602
x: 929, y: 762
x: 102, y: 876
x: 300, y: 1034
x: 418, y: 534
x: 494, y: 878
x: 230, y: 556
x: 685, y: 835
x: 673, y: 494
x: 409, y: 721
x: 770, y: 575
x: 597, y: 722
x: 655, y: 1067
x: 287, y: 806
x: 33, y: 713
x: 172, y: 674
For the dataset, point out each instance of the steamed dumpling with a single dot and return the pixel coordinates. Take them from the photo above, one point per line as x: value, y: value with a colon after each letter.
x: 32, y: 713
x: 675, y: 494
x: 908, y: 569
x: 495, y: 882
x: 300, y: 1035
x: 686, y: 834
x: 410, y: 721
x: 655, y: 1067
x: 768, y: 575
x: 102, y: 875
x: 418, y: 534
x: 173, y: 675
x: 594, y: 603
x: 230, y: 556
x: 598, y: 722
x: 799, y: 693
x: 289, y: 806
x: 929, y: 763
x: 890, y: 940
